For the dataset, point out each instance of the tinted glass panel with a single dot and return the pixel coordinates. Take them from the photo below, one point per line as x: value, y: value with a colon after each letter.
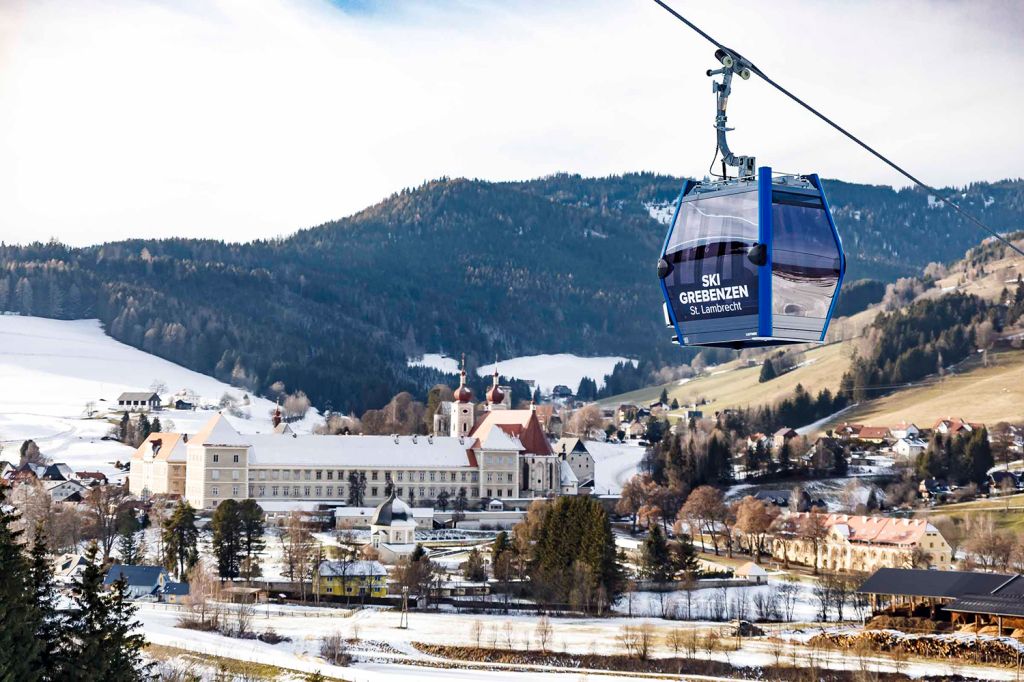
x: 712, y: 276
x: 805, y: 257
x: 716, y: 218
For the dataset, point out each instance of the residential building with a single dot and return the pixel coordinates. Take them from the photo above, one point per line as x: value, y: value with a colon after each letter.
x: 574, y: 452
x: 956, y: 426
x: 143, y: 582
x: 138, y: 401
x: 866, y: 543
x: 874, y: 434
x: 351, y: 579
x: 783, y: 436
x: 909, y: 447
x: 157, y: 467
x: 905, y: 430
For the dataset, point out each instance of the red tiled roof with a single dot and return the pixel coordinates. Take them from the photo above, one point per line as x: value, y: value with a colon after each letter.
x: 880, y: 530
x: 523, y: 424
x: 874, y: 432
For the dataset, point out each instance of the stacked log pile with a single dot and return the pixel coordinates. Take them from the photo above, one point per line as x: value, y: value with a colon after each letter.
x: 998, y: 650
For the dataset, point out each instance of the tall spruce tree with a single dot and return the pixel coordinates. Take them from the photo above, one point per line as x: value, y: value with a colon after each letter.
x: 253, y: 543
x: 181, y: 538
x: 226, y: 525
x: 574, y: 552
x: 106, y: 645
x: 51, y: 624
x: 655, y: 563
x: 20, y: 650
x: 684, y: 556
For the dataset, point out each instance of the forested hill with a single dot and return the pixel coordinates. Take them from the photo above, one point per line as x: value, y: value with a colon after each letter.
x: 560, y: 264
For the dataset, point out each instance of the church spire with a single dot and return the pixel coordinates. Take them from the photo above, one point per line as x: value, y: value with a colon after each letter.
x: 495, y: 396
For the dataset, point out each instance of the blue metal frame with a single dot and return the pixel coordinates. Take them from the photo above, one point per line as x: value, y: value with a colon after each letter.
x: 764, y: 235
x: 813, y: 177
x: 688, y: 185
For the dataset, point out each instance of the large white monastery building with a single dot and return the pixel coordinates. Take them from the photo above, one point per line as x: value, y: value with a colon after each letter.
x: 503, y: 455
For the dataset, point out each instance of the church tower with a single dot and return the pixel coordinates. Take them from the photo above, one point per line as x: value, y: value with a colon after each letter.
x: 462, y: 418
x: 496, y: 396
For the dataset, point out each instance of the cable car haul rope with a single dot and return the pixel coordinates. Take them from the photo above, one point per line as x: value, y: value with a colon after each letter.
x: 756, y: 260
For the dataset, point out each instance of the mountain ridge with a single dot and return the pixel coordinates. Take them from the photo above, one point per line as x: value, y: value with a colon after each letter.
x: 555, y: 264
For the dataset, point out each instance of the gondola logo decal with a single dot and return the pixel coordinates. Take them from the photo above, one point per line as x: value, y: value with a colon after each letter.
x: 714, y: 299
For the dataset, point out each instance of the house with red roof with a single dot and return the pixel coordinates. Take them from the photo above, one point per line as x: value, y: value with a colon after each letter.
x: 864, y: 543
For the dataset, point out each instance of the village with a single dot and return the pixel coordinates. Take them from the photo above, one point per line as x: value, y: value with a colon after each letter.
x: 835, y: 540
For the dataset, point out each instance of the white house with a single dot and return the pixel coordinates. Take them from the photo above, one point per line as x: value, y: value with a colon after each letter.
x: 905, y: 430
x: 909, y: 448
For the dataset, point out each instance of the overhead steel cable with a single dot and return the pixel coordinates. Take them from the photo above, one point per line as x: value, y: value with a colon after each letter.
x: 899, y: 169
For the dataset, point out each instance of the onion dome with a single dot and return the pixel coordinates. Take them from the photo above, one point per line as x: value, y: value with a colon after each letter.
x: 391, y: 510
x: 495, y: 395
x: 463, y: 394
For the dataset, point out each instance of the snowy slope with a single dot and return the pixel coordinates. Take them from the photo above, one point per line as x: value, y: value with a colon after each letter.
x: 547, y: 370
x: 50, y: 369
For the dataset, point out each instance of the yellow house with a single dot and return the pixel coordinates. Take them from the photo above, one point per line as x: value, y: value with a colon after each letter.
x: 351, y: 579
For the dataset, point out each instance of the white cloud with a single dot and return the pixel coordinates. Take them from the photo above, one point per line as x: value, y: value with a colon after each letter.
x: 240, y: 119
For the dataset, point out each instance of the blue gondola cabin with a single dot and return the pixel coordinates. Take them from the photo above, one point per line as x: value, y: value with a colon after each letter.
x: 751, y: 262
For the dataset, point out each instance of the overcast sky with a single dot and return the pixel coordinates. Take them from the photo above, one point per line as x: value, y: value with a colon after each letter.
x: 242, y: 119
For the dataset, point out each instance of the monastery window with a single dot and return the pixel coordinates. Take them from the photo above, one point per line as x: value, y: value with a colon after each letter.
x: 215, y: 491
x: 296, y: 474
x: 509, y: 475
x: 475, y: 476
x: 432, y: 491
x: 234, y: 491
x: 387, y: 476
x: 489, y: 493
x: 274, y: 474
x: 262, y: 475
x: 215, y: 474
x: 235, y: 459
x: 463, y: 476
x: 432, y: 475
x: 330, y: 491
x: 400, y: 492
x: 262, y: 490
x: 490, y: 477
x: 422, y: 491
x: 216, y: 458
x: 295, y: 491
x: 373, y: 491
x: 305, y: 491
x: 318, y: 491
x: 422, y: 474
x: 275, y: 491
x: 401, y: 475
x: 330, y: 474
x: 234, y: 474
x: 319, y: 474
x: 309, y: 474
x: 373, y: 475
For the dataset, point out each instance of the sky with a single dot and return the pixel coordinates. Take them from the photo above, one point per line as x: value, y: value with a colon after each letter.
x: 247, y: 119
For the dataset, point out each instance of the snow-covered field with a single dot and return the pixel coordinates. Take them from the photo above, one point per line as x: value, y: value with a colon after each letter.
x: 614, y: 464
x: 547, y: 371
x: 50, y: 370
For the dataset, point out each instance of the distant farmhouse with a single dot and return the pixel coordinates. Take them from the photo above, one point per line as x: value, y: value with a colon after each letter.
x: 138, y: 401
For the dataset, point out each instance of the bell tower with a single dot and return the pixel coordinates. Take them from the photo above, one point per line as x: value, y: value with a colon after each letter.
x: 462, y: 418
